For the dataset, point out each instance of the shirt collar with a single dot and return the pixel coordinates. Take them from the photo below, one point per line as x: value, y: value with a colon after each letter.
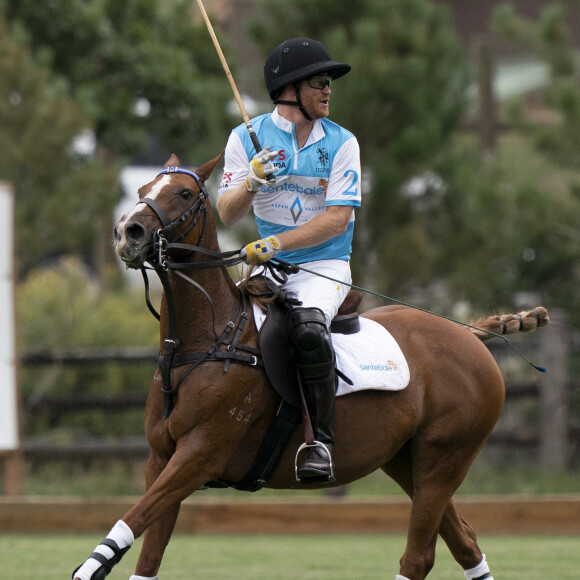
x: 316, y: 134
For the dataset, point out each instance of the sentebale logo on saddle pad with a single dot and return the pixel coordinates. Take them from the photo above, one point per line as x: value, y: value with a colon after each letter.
x: 389, y: 367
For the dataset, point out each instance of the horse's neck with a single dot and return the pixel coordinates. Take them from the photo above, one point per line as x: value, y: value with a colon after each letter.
x: 200, y: 315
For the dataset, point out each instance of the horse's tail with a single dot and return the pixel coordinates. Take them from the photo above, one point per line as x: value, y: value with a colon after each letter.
x: 525, y: 321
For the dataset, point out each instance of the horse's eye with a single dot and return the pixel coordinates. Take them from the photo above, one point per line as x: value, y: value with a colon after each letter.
x: 186, y: 194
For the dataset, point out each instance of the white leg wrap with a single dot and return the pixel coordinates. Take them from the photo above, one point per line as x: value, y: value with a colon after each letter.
x: 399, y: 577
x: 144, y: 577
x: 122, y: 535
x: 480, y: 570
x: 87, y: 569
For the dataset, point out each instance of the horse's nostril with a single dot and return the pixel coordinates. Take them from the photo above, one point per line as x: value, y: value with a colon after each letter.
x: 135, y: 232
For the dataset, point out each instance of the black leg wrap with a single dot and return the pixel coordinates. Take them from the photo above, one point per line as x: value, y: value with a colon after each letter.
x: 316, y: 373
x: 106, y: 563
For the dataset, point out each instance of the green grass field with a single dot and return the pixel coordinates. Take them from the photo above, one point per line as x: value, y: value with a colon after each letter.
x: 365, y: 557
x: 116, y: 478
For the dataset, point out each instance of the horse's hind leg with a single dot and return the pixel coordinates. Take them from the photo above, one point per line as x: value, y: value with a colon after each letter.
x: 426, y: 512
x: 462, y: 543
x: 433, y: 511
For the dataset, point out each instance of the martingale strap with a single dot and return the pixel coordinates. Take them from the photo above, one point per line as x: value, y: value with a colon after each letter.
x: 167, y: 244
x: 148, y: 295
x: 171, y: 359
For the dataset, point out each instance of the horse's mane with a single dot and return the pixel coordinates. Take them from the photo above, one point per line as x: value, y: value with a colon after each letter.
x: 525, y: 321
x: 259, y: 290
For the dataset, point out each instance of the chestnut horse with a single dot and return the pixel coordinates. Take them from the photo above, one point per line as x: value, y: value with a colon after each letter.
x: 425, y: 436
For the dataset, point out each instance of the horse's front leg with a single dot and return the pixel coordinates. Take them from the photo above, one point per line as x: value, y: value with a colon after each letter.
x: 157, y: 536
x: 195, y: 462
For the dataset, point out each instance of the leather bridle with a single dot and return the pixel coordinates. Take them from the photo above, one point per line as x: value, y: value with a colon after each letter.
x: 168, y: 241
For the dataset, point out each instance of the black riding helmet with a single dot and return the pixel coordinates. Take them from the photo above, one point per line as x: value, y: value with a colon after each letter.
x: 297, y: 59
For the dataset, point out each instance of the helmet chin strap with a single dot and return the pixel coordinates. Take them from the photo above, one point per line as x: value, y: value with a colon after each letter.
x: 296, y: 103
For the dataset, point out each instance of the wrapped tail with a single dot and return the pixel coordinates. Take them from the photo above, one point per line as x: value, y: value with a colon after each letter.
x: 525, y: 321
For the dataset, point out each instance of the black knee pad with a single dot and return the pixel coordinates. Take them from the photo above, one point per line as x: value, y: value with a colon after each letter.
x: 310, y: 337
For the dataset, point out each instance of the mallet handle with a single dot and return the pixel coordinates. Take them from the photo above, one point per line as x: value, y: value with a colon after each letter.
x: 237, y: 96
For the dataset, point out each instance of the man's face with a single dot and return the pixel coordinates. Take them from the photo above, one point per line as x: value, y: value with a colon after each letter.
x: 315, y: 94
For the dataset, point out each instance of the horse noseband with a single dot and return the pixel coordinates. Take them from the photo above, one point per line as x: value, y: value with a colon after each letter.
x: 165, y: 222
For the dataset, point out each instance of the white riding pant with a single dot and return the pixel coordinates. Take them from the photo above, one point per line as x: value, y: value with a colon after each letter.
x: 314, y: 291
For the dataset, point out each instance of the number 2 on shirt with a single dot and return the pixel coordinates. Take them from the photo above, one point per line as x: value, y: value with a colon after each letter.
x: 351, y: 190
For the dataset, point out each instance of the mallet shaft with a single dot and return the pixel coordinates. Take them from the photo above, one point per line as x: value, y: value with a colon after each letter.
x: 226, y: 68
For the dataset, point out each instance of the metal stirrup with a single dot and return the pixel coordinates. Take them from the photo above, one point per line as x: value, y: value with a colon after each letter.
x: 315, y: 445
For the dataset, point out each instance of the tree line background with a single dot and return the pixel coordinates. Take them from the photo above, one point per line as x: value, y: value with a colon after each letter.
x: 441, y: 211
x: 449, y: 221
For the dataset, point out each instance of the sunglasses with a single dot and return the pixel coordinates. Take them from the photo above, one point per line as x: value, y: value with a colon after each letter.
x: 319, y: 82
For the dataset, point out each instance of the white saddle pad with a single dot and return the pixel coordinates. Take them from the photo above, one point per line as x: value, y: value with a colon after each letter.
x: 371, y: 358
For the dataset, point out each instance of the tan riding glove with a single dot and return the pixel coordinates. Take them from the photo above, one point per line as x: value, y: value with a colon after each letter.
x: 261, y: 251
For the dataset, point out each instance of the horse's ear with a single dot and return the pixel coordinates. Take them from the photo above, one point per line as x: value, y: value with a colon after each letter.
x: 205, y: 170
x: 173, y: 161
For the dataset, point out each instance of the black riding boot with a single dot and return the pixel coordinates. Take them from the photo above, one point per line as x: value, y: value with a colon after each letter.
x: 316, y: 373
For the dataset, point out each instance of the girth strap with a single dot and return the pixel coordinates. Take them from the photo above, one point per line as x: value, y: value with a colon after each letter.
x: 283, y: 424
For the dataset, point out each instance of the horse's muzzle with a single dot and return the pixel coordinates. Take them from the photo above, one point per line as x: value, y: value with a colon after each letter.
x: 132, y: 243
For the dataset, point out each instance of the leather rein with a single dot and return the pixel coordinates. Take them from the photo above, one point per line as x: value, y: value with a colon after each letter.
x: 166, y: 241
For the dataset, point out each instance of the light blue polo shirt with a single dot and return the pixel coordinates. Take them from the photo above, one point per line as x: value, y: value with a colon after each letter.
x: 325, y: 172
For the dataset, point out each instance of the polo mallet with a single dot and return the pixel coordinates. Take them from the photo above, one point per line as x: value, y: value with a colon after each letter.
x: 237, y: 96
